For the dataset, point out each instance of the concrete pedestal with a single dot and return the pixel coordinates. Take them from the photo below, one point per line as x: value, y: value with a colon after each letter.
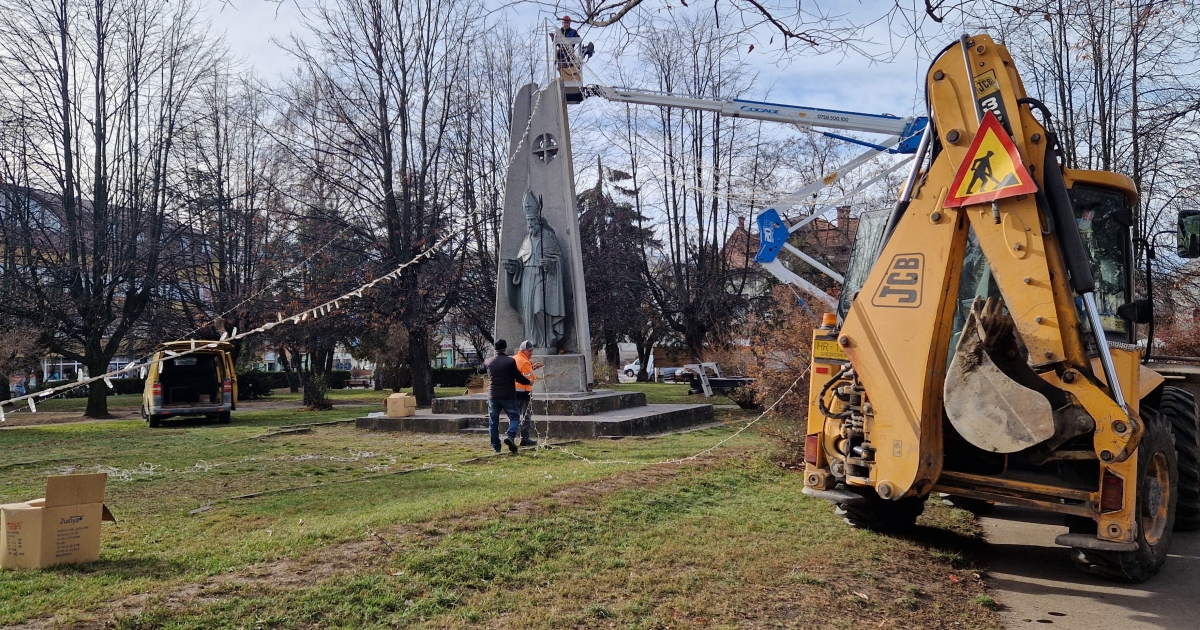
x: 562, y: 374
x: 599, y: 413
x: 596, y: 401
x: 645, y: 420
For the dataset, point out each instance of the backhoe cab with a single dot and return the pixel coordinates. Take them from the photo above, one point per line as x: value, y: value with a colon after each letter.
x: 986, y: 345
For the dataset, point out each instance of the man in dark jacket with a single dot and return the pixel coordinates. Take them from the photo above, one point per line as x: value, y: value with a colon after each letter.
x: 503, y: 377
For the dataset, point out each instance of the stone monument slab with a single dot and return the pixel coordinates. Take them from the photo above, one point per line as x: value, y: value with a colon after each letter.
x: 540, y: 294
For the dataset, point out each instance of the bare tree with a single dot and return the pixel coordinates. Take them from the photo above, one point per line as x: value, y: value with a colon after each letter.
x: 99, y: 92
x: 391, y: 77
x: 799, y: 28
x: 232, y: 202
x: 694, y: 286
x: 480, y: 143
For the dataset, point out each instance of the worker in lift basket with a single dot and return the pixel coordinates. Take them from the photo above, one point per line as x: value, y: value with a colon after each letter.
x: 564, y: 50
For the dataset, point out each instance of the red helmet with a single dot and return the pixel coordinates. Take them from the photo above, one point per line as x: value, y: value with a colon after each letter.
x: 566, y: 18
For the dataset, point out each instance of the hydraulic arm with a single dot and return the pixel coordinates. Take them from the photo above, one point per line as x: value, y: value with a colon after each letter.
x: 974, y: 359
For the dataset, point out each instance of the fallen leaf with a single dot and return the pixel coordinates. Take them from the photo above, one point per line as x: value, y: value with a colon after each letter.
x: 954, y: 578
x: 862, y: 595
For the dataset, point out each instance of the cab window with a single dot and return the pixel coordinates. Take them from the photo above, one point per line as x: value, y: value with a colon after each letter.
x: 1103, y: 218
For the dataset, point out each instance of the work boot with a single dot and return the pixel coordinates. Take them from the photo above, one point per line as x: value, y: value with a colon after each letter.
x: 510, y: 443
x: 528, y: 442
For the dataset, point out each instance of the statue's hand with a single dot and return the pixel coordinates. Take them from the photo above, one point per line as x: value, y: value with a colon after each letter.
x: 548, y: 264
x: 512, y: 266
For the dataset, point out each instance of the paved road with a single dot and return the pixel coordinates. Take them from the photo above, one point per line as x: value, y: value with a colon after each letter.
x: 1039, y: 587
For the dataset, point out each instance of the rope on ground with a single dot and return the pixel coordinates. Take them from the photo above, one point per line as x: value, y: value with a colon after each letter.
x: 33, y: 462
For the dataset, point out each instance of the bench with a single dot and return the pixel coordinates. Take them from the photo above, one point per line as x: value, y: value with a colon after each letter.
x: 362, y: 381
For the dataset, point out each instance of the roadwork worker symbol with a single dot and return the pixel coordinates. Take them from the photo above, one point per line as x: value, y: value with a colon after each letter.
x: 992, y: 170
x: 981, y: 171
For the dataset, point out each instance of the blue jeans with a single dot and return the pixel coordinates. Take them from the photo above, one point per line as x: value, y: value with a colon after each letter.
x: 523, y: 402
x: 513, y: 410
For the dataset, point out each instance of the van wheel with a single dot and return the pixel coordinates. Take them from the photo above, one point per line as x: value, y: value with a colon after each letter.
x: 880, y: 514
x: 223, y: 417
x: 155, y: 421
x: 1178, y: 408
x: 630, y: 373
x: 1157, y: 493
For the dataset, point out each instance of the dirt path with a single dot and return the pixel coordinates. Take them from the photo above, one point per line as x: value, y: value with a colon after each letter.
x: 1039, y: 587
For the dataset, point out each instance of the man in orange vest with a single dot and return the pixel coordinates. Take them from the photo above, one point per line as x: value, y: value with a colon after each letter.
x: 525, y: 392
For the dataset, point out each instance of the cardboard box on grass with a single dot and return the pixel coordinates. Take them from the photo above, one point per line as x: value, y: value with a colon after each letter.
x: 401, y: 406
x: 62, y: 528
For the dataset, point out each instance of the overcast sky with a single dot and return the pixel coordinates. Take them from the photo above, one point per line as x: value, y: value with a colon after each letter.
x: 832, y: 81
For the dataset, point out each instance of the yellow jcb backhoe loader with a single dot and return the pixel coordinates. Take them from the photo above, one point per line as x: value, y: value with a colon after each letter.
x: 985, y: 343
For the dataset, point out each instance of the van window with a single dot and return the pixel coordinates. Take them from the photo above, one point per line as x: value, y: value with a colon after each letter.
x: 190, y: 379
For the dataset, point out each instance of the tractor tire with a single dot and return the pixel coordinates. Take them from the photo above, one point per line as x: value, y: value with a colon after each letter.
x: 1158, y: 483
x: 879, y: 514
x: 974, y: 506
x: 155, y: 421
x: 223, y: 417
x: 1179, y: 409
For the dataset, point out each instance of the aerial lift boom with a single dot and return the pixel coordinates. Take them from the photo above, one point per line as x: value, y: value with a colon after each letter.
x: 903, y: 136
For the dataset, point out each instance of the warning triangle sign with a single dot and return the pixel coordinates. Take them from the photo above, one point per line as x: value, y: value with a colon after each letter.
x: 992, y: 169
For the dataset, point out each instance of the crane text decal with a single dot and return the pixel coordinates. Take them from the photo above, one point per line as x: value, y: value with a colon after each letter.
x: 987, y: 92
x: 901, y: 287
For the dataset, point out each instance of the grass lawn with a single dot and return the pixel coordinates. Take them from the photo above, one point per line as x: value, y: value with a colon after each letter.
x: 670, y: 393
x: 133, y: 402
x: 545, y: 539
x: 656, y: 393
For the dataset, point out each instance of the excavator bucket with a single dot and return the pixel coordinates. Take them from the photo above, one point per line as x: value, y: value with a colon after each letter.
x: 985, y: 405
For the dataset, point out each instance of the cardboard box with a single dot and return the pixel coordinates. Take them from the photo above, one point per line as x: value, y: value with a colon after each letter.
x: 401, y: 406
x: 62, y: 528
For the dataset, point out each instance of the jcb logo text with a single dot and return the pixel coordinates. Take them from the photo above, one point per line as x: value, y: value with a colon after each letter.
x: 901, y: 286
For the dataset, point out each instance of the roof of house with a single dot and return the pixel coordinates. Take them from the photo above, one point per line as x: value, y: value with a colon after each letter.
x: 819, y: 238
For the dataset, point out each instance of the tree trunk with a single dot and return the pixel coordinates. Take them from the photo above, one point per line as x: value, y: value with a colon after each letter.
x: 644, y: 350
x: 287, y: 371
x: 97, y: 404
x: 418, y: 363
x: 693, y: 339
x: 612, y: 354
x: 316, y: 380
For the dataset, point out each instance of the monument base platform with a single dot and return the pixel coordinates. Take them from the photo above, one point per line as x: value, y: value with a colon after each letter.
x: 639, y: 420
x: 581, y: 404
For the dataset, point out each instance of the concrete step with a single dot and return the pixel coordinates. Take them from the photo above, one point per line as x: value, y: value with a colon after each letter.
x: 646, y: 420
x: 585, y: 404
